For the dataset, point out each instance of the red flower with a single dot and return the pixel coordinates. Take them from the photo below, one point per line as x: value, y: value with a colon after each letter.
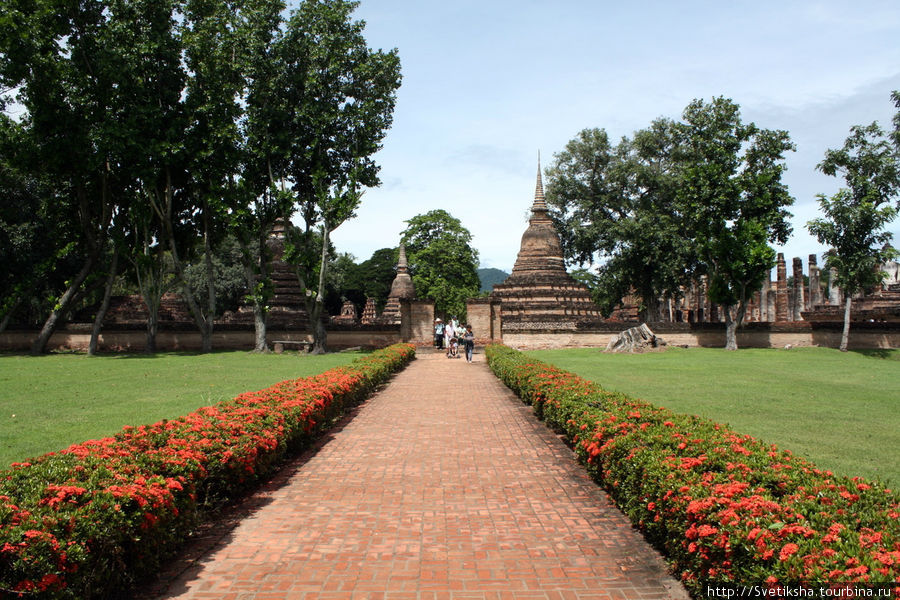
x: 788, y: 550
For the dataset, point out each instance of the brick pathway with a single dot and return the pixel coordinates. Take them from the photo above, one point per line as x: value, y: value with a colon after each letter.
x: 442, y: 487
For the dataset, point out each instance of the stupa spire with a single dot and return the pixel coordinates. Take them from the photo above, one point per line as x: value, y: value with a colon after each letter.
x: 539, y: 202
x: 401, y: 289
x: 539, y: 293
x: 402, y: 264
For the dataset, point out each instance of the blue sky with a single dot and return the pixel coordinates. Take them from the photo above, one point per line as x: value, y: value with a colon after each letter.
x: 486, y: 85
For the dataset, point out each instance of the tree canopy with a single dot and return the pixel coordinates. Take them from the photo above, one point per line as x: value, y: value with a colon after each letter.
x: 732, y: 201
x: 676, y: 201
x: 613, y: 203
x: 161, y: 129
x: 854, y: 217
x: 442, y: 262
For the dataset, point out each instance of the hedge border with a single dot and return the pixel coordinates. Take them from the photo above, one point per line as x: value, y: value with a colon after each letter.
x: 722, y: 507
x: 91, y: 520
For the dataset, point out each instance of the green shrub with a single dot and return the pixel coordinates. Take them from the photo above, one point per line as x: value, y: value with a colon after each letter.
x: 91, y: 519
x: 723, y: 507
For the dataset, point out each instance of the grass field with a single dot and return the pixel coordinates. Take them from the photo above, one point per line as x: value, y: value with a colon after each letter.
x: 50, y: 402
x: 841, y: 410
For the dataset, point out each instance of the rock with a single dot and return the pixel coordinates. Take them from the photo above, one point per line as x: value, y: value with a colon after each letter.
x: 636, y: 339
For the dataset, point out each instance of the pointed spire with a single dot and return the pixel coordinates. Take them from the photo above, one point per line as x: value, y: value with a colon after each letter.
x: 402, y: 265
x: 539, y: 203
x: 402, y: 286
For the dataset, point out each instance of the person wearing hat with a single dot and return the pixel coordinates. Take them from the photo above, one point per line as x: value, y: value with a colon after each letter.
x: 438, y: 334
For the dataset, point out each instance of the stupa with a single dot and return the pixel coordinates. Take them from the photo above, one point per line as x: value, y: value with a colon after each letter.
x: 401, y: 289
x: 287, y: 307
x: 369, y: 315
x: 539, y: 293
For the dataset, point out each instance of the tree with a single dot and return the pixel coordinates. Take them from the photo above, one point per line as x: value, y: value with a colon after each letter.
x: 612, y: 204
x: 29, y: 230
x: 731, y: 200
x: 372, y: 278
x: 442, y: 262
x: 895, y: 135
x: 855, y: 215
x: 65, y: 71
x: 261, y: 194
x: 337, y: 97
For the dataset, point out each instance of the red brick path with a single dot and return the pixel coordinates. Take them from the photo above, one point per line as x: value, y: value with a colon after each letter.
x: 442, y: 487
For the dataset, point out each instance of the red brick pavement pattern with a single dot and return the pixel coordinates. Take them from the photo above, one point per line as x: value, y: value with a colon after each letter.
x: 442, y: 487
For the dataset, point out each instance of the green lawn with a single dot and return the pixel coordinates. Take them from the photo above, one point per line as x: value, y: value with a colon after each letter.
x: 49, y: 402
x: 841, y: 410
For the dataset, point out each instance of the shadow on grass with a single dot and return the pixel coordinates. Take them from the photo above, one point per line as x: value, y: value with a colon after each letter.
x: 881, y: 353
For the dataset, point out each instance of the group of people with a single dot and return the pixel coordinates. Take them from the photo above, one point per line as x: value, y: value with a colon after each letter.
x: 448, y: 335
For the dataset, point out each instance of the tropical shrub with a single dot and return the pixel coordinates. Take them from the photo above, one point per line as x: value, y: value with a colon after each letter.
x: 722, y: 507
x: 92, y: 519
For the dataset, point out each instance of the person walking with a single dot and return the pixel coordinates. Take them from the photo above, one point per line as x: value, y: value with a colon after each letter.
x: 469, y: 340
x: 449, y: 334
x: 438, y: 334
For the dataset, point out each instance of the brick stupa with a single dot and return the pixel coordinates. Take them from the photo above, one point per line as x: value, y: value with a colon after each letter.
x: 369, y: 315
x: 401, y: 289
x: 539, y: 293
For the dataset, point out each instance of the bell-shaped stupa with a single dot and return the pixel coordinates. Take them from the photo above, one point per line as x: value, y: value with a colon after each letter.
x: 401, y: 289
x: 539, y: 293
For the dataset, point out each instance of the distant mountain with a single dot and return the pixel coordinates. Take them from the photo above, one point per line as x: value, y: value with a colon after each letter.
x: 490, y: 277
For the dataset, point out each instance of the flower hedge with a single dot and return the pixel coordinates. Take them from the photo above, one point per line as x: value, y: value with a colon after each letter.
x: 87, y: 521
x: 722, y: 507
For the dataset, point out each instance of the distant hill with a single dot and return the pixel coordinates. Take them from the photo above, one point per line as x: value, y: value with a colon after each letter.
x: 489, y: 277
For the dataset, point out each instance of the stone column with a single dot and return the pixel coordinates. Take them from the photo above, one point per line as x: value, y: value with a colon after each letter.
x: 754, y: 314
x: 798, y: 299
x: 764, y: 314
x: 834, y: 292
x: 781, y: 291
x: 815, y: 285
x: 406, y: 321
x: 703, y: 301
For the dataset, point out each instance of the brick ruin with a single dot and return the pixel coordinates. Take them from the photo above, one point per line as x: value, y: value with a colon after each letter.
x: 541, y: 305
x: 805, y: 298
x: 286, y: 307
x: 402, y: 288
x: 539, y: 293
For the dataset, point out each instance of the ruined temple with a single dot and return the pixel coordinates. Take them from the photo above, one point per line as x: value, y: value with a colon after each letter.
x: 805, y: 297
x: 369, y: 315
x: 401, y: 289
x: 287, y: 307
x: 539, y: 293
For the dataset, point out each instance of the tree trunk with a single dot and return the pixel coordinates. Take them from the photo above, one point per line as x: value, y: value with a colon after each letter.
x: 104, y: 305
x: 163, y: 207
x: 319, y: 334
x: 152, y: 288
x: 635, y: 339
x: 259, y: 325
x: 39, y: 345
x: 206, y: 331
x: 152, y: 329
x: 4, y: 323
x: 650, y: 309
x: 253, y: 281
x: 730, y: 328
x: 845, y: 335
x: 152, y: 298
x: 203, y: 322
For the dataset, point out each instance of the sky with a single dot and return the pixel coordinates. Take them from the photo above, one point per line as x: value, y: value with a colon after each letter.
x: 489, y: 84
